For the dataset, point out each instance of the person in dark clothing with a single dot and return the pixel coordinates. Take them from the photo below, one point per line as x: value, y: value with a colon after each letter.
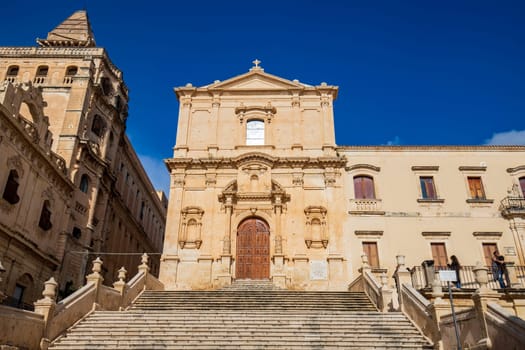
x: 499, y: 268
x: 454, y: 265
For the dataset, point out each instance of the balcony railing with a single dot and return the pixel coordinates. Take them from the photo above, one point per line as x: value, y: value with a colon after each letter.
x: 512, y: 206
x: 466, y: 274
x: 366, y: 205
x: 39, y: 80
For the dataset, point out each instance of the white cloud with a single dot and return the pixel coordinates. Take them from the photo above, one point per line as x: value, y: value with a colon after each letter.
x: 157, y: 173
x: 512, y: 137
x: 396, y: 141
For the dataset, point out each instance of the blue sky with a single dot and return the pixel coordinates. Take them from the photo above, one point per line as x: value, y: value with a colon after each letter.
x: 409, y: 72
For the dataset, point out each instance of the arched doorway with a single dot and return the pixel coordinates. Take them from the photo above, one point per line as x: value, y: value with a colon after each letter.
x: 253, y: 249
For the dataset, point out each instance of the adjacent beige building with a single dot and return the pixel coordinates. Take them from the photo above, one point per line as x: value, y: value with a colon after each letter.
x: 260, y: 189
x: 71, y: 183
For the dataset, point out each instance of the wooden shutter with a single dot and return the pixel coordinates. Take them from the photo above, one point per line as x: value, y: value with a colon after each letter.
x: 522, y: 185
x: 488, y: 251
x: 428, y: 190
x: 476, y: 188
x: 370, y: 249
x: 439, y: 254
x: 364, y: 187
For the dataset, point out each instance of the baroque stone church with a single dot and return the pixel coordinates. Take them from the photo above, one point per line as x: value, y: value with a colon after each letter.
x: 260, y: 190
x: 275, y: 236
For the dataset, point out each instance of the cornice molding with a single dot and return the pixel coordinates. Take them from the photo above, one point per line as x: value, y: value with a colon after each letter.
x: 255, y: 157
x: 516, y: 169
x: 425, y: 168
x: 442, y: 148
x: 368, y: 233
x: 363, y: 166
x: 482, y: 235
x: 436, y: 234
x: 473, y: 168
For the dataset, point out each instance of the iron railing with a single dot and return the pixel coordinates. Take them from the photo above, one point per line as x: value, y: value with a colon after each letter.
x: 512, y: 206
x: 467, y: 276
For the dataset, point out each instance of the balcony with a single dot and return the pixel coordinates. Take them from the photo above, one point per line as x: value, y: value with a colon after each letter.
x: 366, y: 206
x: 512, y: 207
x: 422, y: 279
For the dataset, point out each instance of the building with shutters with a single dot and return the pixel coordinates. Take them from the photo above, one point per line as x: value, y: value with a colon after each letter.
x: 71, y: 184
x: 260, y: 190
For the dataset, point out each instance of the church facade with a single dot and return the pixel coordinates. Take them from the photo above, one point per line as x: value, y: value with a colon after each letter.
x: 260, y: 190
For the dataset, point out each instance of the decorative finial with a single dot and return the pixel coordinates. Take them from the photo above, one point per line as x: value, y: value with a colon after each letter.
x: 256, y: 63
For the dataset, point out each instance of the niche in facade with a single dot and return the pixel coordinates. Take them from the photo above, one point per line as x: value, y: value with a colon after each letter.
x: 316, y: 235
x: 191, y: 228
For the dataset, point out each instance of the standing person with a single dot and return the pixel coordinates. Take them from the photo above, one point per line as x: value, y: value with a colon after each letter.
x: 498, y: 268
x: 454, y: 265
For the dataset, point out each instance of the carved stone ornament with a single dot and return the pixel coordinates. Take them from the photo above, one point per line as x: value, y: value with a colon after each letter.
x: 330, y: 177
x: 297, y: 179
x: 16, y: 163
x: 265, y: 113
x: 48, y: 194
x: 316, y: 235
x: 178, y: 180
x: 190, y: 237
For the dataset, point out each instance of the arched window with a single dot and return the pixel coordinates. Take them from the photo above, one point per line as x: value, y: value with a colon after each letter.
x: 84, y: 183
x: 142, y: 210
x: 45, y: 216
x: 41, y: 74
x: 522, y: 185
x: 107, y: 88
x: 98, y: 125
x: 77, y: 232
x: 255, y: 132
x: 11, y: 188
x: 364, y: 187
x: 12, y: 73
x: 71, y: 71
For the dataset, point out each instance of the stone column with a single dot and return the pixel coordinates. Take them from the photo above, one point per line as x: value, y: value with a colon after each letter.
x: 297, y: 130
x: 224, y: 276
x: 278, y: 275
x: 226, y: 248
x: 517, y: 226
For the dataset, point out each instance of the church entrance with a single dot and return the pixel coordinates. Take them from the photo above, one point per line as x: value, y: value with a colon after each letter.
x: 253, y: 249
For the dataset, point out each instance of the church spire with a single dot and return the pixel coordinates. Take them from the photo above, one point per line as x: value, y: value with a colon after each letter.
x: 74, y: 31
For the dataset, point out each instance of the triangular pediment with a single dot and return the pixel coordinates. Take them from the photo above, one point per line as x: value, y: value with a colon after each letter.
x: 256, y: 79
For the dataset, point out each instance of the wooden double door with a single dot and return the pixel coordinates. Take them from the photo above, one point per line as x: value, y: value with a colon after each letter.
x: 253, y: 250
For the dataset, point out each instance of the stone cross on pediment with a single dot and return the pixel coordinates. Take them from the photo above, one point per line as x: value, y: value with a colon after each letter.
x: 256, y: 63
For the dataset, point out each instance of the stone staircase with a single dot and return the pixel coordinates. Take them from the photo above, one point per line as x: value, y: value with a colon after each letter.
x: 245, y: 315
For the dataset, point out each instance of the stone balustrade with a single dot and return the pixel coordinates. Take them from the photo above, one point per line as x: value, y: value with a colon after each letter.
x: 51, y: 319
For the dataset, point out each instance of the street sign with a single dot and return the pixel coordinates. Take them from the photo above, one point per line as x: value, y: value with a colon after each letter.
x: 447, y: 275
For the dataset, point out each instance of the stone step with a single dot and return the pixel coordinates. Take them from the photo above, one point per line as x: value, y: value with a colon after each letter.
x: 249, y: 315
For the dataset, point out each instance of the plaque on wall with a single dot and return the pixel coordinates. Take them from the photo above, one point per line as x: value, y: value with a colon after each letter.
x: 511, y: 251
x: 318, y: 270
